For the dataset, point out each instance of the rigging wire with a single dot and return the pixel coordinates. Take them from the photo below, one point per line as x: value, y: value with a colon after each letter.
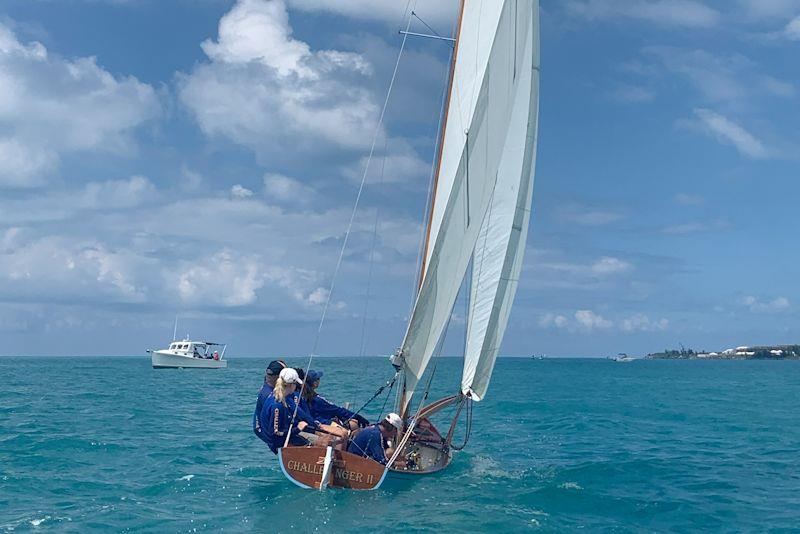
x: 378, y: 127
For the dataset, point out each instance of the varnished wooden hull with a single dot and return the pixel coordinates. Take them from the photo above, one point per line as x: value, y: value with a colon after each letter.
x: 307, y: 467
x: 312, y: 467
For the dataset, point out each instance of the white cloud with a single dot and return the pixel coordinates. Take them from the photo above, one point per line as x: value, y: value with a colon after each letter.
x: 223, y: 278
x: 642, y: 323
x: 756, y: 305
x: 50, y: 106
x: 59, y: 205
x: 728, y: 132
x: 607, y: 266
x: 590, y: 320
x: 681, y: 13
x: 792, y: 30
x: 732, y: 80
x: 270, y: 92
x: 278, y: 187
x: 697, y: 227
x: 239, y: 191
x: 439, y: 13
x: 587, y: 321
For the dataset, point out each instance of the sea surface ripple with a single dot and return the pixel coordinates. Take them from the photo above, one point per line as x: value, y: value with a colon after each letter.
x: 109, y: 444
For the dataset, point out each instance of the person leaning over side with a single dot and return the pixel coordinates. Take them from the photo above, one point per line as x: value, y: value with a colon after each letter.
x: 374, y: 441
x: 277, y: 418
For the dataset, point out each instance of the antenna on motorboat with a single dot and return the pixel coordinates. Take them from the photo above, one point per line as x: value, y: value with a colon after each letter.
x: 175, y: 330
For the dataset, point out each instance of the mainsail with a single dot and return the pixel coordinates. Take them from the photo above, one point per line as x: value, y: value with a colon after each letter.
x: 491, y: 86
x: 498, y: 256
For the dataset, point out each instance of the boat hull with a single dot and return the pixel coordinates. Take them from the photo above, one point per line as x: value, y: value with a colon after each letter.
x: 321, y: 467
x: 166, y: 360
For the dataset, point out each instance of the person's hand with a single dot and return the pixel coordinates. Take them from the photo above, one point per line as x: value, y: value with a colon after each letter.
x: 362, y: 421
x: 302, y: 425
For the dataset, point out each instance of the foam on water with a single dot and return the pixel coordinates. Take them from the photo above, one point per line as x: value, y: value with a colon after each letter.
x: 111, y: 445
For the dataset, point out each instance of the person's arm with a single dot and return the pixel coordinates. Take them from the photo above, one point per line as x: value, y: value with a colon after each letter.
x: 329, y: 410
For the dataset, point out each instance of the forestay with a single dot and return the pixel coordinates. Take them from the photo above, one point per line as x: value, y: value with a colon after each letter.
x: 499, y: 252
x: 487, y: 79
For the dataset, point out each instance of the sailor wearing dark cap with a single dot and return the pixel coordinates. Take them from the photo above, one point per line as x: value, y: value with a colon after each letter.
x: 270, y: 377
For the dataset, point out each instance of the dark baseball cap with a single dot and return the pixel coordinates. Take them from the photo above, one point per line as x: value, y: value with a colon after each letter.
x: 275, y: 366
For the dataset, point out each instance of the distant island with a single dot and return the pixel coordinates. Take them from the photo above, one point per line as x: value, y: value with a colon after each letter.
x: 766, y: 352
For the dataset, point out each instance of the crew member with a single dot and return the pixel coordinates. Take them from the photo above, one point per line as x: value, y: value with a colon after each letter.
x: 324, y: 411
x: 270, y: 377
x: 277, y: 416
x: 375, y: 440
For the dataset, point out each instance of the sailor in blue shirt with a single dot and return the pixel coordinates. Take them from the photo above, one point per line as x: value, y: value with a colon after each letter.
x: 270, y: 377
x: 324, y: 411
x: 374, y: 441
x: 276, y: 418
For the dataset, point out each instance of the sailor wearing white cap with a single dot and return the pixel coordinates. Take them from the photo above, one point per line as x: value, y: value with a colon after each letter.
x: 276, y: 417
x: 374, y: 441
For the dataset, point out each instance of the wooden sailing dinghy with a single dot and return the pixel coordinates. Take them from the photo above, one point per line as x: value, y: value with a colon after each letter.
x: 479, y: 215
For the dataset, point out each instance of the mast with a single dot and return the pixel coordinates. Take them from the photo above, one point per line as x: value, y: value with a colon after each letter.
x: 441, y: 145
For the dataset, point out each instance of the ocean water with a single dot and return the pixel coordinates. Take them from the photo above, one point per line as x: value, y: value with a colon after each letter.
x: 109, y: 444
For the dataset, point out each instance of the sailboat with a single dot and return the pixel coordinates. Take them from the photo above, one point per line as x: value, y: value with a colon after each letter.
x: 479, y: 216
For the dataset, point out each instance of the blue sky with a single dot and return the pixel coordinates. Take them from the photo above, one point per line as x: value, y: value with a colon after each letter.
x: 200, y: 158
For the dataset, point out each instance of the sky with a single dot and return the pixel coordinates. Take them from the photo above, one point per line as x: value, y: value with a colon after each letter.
x: 200, y: 159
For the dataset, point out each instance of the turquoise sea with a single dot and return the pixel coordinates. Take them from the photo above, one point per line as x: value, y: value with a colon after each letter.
x: 109, y: 444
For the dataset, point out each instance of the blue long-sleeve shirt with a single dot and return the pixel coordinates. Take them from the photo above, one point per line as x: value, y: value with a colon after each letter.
x: 266, y: 391
x: 369, y: 444
x: 275, y: 420
x: 324, y: 411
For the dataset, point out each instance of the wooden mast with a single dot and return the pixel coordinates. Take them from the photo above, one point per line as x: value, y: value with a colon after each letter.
x: 403, y: 410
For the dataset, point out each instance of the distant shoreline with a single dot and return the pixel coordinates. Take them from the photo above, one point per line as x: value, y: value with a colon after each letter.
x: 760, y: 352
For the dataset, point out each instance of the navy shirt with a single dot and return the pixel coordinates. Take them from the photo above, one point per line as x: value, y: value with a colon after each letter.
x: 324, y: 411
x: 275, y: 421
x: 266, y: 391
x: 369, y: 444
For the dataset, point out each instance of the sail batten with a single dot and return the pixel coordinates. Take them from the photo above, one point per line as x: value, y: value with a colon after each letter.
x: 480, y: 127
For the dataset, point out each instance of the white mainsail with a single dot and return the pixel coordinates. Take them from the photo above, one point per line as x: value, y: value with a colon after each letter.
x: 488, y: 76
x: 497, y: 261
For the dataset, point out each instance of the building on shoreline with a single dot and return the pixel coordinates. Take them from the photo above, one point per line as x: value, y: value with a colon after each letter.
x: 759, y: 352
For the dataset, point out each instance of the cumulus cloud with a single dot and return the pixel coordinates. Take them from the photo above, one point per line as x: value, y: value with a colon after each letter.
x: 239, y: 191
x: 280, y: 188
x: 268, y: 91
x: 757, y: 305
x: 730, y: 133
x: 587, y: 321
x: 607, y: 266
x: 50, y: 106
x: 679, y: 13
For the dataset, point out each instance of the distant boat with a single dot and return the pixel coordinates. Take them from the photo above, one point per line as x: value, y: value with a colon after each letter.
x: 538, y: 356
x: 623, y: 358
x: 190, y: 354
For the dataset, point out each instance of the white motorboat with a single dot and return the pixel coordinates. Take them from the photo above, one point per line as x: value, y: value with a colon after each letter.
x: 623, y: 358
x: 190, y: 354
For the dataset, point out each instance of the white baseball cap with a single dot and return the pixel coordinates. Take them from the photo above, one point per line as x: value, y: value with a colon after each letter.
x: 394, y: 420
x: 290, y: 376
